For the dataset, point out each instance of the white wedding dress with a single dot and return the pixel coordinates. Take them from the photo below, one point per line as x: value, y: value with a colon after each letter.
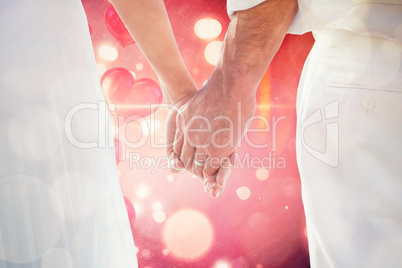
x: 60, y: 203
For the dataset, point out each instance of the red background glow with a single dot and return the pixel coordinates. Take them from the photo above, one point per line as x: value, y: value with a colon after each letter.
x: 259, y: 220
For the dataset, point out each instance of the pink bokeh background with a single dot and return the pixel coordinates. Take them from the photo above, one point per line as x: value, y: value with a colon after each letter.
x: 259, y: 220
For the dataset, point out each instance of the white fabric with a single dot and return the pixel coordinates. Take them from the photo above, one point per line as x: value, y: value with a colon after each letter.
x: 60, y: 205
x: 311, y: 15
x: 314, y: 14
x: 349, y: 137
x: 349, y: 144
x: 349, y: 132
x: 237, y: 5
x: 377, y: 20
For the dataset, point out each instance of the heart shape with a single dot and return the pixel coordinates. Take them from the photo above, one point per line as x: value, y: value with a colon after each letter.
x: 132, y: 98
x: 130, y: 210
x: 117, y: 28
x: 91, y: 33
x: 118, y: 150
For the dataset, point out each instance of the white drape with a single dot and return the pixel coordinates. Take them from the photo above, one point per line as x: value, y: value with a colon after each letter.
x: 60, y: 203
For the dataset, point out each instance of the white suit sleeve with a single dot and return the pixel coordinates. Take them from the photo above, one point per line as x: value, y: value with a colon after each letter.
x: 309, y: 17
x: 237, y: 5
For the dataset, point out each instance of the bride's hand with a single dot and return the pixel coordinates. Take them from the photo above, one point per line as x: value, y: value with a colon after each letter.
x: 210, y: 124
x: 175, y: 165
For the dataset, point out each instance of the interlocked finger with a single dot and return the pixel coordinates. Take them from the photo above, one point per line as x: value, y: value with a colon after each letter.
x: 199, y: 161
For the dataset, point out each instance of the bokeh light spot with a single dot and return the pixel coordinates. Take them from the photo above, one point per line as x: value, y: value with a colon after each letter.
x: 195, y: 71
x: 259, y: 222
x: 398, y: 32
x: 108, y: 53
x: 207, y: 28
x: 142, y: 192
x: 165, y: 252
x: 159, y: 216
x: 262, y: 174
x: 146, y: 253
x: 57, y: 258
x: 222, y: 264
x: 77, y: 193
x: 170, y: 178
x: 23, y: 200
x: 157, y: 206
x: 289, y: 190
x: 43, y: 127
x: 148, y: 127
x: 391, y: 49
x: 243, y: 193
x: 77, y: 242
x: 213, y: 51
x: 188, y: 234
x: 139, y: 66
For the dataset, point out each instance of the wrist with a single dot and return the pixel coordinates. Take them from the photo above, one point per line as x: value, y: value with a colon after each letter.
x: 234, y: 84
x: 174, y: 92
x: 177, y: 85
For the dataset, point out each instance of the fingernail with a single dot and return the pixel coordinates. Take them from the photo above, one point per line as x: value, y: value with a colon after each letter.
x: 211, y: 184
x: 176, y: 167
x: 217, y: 193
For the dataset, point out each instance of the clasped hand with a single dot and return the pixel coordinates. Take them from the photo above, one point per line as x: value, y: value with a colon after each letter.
x: 203, y: 132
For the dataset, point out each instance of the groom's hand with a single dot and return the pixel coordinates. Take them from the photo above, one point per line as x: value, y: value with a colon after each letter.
x: 209, y: 127
x: 211, y: 124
